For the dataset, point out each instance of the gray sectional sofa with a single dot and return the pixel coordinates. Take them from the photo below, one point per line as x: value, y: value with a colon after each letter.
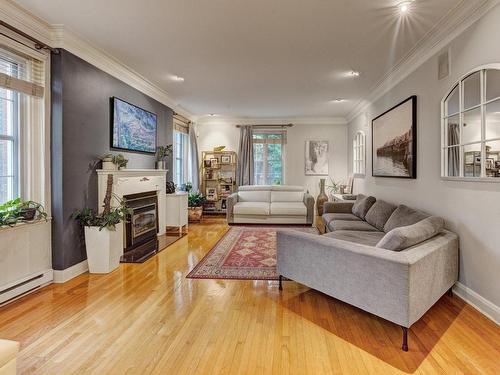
x: 392, y: 261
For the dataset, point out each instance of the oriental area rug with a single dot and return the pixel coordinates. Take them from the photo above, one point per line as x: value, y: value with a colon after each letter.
x: 244, y: 253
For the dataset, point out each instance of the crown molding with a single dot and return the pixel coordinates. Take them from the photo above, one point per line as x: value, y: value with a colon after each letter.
x: 58, y: 36
x: 455, y: 22
x: 64, y: 38
x: 207, y: 120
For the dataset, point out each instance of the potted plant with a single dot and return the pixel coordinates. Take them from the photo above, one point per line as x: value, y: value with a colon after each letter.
x: 107, y: 162
x: 16, y: 211
x: 103, y: 234
x: 120, y: 161
x: 195, y: 206
x: 333, y: 187
x: 162, y: 153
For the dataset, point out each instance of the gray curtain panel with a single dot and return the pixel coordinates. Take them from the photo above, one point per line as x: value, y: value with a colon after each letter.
x: 193, y: 158
x: 244, y: 173
x: 454, y: 152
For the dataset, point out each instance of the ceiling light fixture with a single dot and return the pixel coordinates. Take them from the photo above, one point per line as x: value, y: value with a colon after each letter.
x: 177, y: 78
x: 354, y: 73
x: 339, y: 100
x: 404, y: 7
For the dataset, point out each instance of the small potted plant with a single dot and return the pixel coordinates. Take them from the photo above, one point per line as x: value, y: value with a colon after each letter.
x: 195, y: 206
x: 162, y: 153
x: 17, y: 211
x: 120, y: 161
x: 103, y: 234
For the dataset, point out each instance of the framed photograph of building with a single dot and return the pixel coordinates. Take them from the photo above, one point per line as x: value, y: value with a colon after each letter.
x: 316, y: 158
x: 394, y: 141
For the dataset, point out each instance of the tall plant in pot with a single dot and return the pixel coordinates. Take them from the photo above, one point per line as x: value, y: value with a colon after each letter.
x: 162, y: 153
x: 103, y: 233
x: 195, y: 206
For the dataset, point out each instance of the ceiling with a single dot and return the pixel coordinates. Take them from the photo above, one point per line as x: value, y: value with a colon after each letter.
x: 259, y: 58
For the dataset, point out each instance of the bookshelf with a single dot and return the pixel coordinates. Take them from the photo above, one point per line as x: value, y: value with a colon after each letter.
x: 218, y: 179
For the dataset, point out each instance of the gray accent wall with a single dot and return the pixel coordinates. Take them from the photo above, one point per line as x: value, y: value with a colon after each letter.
x: 471, y: 209
x: 80, y: 133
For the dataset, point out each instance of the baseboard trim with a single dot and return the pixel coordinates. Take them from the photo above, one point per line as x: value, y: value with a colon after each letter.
x: 61, y: 276
x: 485, y: 307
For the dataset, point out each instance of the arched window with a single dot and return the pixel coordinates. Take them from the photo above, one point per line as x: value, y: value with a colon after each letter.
x: 470, y: 135
x: 358, y: 154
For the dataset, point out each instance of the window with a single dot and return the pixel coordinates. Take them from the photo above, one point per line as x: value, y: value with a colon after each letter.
x: 268, y: 155
x: 358, y: 154
x: 471, y: 127
x: 9, y: 144
x: 180, y: 157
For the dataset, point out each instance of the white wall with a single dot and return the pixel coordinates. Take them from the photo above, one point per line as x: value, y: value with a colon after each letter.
x: 471, y: 209
x: 224, y: 132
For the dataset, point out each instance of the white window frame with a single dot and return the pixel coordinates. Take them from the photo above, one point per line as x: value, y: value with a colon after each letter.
x: 444, y: 129
x: 34, y: 132
x: 283, y: 151
x: 184, y: 158
x: 359, y: 154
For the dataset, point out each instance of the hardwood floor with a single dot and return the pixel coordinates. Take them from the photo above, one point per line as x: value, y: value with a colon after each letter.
x: 149, y: 319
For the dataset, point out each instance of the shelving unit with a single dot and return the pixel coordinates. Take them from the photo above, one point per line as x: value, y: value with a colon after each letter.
x: 218, y: 179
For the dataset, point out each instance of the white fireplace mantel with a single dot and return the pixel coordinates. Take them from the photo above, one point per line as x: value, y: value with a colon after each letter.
x: 133, y: 181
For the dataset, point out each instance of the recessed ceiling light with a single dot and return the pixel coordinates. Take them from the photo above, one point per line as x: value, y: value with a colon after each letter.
x: 404, y: 7
x: 177, y: 78
x: 339, y: 100
x: 354, y: 73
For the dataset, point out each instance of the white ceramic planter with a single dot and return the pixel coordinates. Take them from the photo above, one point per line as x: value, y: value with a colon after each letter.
x: 109, y: 166
x: 104, y: 248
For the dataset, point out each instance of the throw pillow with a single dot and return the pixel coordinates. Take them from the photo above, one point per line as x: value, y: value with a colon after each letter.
x: 362, y: 205
x: 403, y: 237
x: 403, y: 216
x: 379, y: 213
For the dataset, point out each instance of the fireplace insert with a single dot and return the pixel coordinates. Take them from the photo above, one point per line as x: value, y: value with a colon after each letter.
x: 141, y: 228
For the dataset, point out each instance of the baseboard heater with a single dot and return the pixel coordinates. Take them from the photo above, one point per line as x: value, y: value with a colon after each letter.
x: 24, y: 286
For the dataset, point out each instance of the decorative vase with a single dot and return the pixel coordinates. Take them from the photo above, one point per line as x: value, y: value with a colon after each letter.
x: 160, y: 164
x: 322, y: 197
x: 195, y: 214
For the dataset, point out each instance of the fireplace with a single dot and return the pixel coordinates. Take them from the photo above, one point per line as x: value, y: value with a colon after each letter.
x: 141, y: 228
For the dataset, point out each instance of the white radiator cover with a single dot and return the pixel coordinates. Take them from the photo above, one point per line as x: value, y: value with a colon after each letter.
x: 25, y: 259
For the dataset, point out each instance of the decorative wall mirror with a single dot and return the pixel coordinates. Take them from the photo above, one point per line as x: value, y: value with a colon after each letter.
x: 470, y: 127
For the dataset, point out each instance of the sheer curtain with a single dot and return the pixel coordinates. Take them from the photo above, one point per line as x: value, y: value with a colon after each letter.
x: 244, y: 173
x: 453, y: 152
x: 194, y: 163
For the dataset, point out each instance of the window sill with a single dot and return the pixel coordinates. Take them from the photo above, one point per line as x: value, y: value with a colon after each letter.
x: 472, y: 179
x: 25, y: 224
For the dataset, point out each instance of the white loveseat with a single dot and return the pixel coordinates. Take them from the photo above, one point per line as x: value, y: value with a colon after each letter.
x: 265, y: 204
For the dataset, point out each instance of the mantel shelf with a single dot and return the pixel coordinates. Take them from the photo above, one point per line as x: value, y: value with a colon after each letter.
x: 149, y: 172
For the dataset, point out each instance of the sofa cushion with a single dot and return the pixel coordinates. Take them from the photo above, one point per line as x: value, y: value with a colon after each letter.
x: 368, y: 238
x: 403, y: 216
x: 251, y: 208
x: 401, y: 238
x: 255, y: 187
x: 351, y: 225
x: 362, y: 205
x: 379, y: 213
x: 287, y: 196
x: 287, y: 188
x: 254, y: 196
x: 339, y: 216
x: 288, y: 209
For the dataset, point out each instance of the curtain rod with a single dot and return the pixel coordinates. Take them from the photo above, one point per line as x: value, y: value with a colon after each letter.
x: 269, y: 126
x: 38, y: 45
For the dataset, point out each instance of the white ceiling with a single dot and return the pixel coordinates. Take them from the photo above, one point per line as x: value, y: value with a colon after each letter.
x: 258, y: 58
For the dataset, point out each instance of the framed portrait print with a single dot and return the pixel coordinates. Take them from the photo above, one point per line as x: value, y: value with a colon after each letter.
x: 316, y: 158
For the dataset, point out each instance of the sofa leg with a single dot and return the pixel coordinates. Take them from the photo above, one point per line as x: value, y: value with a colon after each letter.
x: 405, y: 339
x: 280, y: 282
